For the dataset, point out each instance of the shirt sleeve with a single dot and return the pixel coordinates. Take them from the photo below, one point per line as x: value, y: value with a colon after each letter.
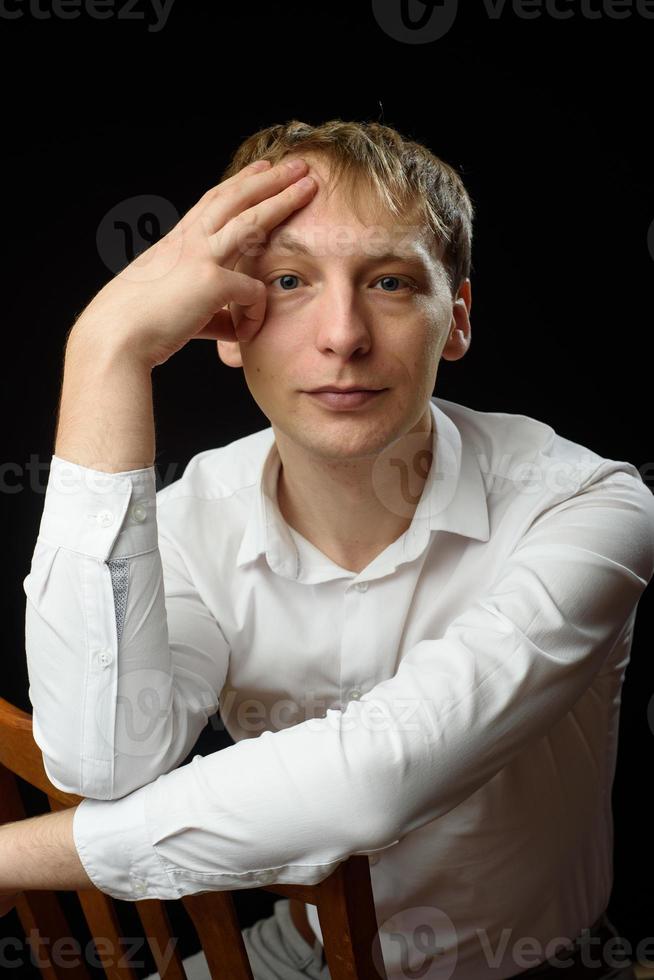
x: 125, y: 662
x: 289, y: 806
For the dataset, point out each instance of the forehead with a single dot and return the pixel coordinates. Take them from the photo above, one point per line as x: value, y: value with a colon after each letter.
x: 328, y: 225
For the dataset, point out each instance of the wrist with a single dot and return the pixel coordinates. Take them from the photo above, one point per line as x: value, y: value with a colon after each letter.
x: 106, y: 416
x: 102, y: 345
x: 40, y: 852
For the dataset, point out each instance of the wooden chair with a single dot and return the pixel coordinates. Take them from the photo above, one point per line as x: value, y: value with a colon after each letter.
x: 344, y: 900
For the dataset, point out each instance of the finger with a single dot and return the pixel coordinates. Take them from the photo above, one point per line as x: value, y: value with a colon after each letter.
x: 220, y: 327
x: 237, y: 287
x: 247, y: 233
x: 238, y: 326
x: 246, y: 307
x: 229, y: 202
x: 248, y: 320
x: 241, y: 318
x: 200, y: 206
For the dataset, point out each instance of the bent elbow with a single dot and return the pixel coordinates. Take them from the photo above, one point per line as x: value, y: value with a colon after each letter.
x: 93, y: 779
x: 62, y: 779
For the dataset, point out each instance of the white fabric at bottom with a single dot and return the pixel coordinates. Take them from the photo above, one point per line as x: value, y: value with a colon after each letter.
x: 275, y: 949
x: 195, y: 967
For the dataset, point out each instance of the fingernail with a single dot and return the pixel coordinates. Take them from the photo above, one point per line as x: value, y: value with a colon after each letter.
x: 261, y: 165
x: 296, y: 165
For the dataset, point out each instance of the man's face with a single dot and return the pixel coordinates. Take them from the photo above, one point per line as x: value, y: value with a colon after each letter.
x: 342, y: 315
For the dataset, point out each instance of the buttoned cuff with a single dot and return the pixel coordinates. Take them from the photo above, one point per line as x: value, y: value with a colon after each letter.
x: 114, y: 846
x: 100, y: 515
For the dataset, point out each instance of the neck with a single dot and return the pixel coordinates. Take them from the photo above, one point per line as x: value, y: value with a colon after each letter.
x: 352, y: 509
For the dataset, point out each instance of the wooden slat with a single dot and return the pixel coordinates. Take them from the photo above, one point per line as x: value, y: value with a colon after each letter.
x: 214, y: 917
x: 346, y: 912
x: 159, y: 936
x: 100, y: 913
x: 348, y: 922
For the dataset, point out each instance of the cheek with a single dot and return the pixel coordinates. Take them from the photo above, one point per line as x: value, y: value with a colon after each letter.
x: 434, y: 343
x: 281, y: 336
x: 274, y: 352
x: 436, y: 327
x: 424, y: 342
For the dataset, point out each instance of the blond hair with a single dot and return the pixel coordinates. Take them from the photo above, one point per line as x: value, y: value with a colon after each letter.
x: 403, y: 177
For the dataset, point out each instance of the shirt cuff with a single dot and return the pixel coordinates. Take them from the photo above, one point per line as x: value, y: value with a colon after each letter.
x: 114, y: 846
x: 100, y: 515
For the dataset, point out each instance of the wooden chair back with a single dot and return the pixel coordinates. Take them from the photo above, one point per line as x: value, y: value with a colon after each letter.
x: 344, y: 900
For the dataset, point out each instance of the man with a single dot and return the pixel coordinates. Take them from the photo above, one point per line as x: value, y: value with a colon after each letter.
x: 429, y: 607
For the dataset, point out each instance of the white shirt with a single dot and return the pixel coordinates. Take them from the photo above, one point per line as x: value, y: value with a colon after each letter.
x: 451, y: 710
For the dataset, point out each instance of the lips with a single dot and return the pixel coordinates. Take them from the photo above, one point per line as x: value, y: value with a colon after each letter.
x: 345, y: 400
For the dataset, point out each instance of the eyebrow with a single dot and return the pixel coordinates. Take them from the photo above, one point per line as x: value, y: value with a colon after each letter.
x: 285, y: 240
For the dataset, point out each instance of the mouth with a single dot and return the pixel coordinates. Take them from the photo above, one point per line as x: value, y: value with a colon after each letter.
x: 352, y: 398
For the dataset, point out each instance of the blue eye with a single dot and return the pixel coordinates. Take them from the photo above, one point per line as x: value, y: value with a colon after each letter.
x: 409, y: 284
x: 287, y: 275
x: 394, y: 277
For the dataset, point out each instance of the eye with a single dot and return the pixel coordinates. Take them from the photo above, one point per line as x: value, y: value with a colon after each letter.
x: 410, y: 285
x: 286, y: 275
x: 408, y: 282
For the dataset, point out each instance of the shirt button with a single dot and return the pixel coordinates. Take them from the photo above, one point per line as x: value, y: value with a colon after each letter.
x: 374, y: 858
x: 105, y: 657
x: 361, y: 586
x: 139, y: 513
x: 105, y: 518
x: 140, y: 887
x: 354, y: 695
x: 267, y: 876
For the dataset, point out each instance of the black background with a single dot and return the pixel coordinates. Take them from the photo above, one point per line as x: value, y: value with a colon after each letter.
x: 548, y: 120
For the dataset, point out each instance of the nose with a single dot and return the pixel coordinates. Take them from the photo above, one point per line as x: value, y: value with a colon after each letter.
x: 342, y: 326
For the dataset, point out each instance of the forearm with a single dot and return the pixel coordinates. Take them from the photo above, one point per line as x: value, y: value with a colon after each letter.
x: 106, y: 416
x: 40, y: 852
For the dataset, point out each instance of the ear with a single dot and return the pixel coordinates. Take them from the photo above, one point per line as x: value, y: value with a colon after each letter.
x: 458, y: 340
x: 229, y: 352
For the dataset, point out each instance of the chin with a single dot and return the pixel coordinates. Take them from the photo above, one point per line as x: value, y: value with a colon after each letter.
x: 339, y: 438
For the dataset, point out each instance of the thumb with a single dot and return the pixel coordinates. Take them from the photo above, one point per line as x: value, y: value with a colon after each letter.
x: 248, y: 320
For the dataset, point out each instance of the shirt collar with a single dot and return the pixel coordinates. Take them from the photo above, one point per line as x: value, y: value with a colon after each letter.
x: 453, y: 499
